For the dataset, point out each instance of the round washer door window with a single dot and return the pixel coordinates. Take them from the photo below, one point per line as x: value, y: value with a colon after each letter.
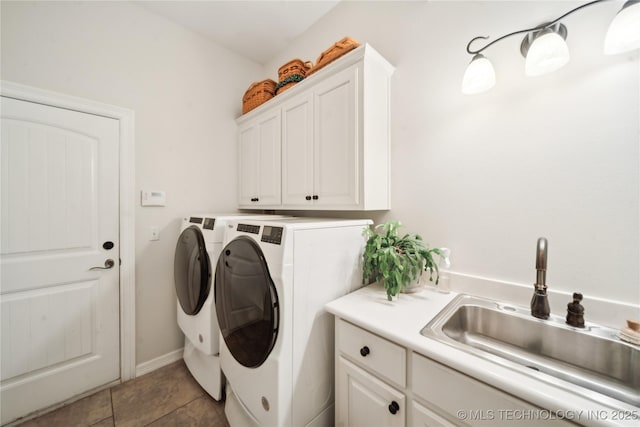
x: 191, y: 270
x: 246, y: 302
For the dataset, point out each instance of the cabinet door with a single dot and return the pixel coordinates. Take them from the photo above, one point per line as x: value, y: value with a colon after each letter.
x: 363, y: 400
x: 425, y: 417
x: 259, y: 161
x: 458, y: 395
x: 336, y: 153
x: 297, y: 152
x: 269, y: 172
x: 248, y: 155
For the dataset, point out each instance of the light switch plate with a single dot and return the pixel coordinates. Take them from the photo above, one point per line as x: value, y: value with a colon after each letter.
x: 153, y: 198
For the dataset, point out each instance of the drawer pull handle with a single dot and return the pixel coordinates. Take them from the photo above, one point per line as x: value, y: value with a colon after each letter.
x: 394, y: 407
x: 307, y: 198
x: 364, y: 351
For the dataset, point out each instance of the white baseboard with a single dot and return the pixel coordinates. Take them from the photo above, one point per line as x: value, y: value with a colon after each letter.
x: 158, y: 362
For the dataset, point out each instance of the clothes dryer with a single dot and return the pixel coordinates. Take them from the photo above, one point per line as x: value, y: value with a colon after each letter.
x: 271, y: 284
x: 196, y: 254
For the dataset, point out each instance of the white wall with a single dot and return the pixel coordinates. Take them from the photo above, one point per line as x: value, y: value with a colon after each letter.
x: 486, y: 175
x: 185, y: 100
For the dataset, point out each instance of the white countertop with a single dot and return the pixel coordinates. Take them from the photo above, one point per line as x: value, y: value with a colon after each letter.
x: 402, y: 319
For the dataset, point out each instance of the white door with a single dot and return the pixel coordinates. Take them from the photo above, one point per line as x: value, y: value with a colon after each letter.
x: 59, y: 218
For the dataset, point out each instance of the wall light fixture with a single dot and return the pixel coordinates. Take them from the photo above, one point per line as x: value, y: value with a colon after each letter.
x: 545, y: 49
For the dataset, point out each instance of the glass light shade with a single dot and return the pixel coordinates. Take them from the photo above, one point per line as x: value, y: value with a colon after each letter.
x: 547, y: 53
x: 479, y: 76
x: 623, y: 34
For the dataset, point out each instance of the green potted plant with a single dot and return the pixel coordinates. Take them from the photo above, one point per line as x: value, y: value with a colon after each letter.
x: 397, y: 261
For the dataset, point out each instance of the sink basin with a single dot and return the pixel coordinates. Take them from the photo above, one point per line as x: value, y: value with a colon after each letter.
x: 592, y: 357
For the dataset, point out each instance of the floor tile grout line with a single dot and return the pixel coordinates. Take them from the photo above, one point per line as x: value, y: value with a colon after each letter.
x: 158, y: 419
x: 113, y: 413
x: 99, y: 421
x: 179, y: 407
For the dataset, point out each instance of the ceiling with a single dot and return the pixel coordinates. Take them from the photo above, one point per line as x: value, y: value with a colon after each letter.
x: 257, y: 30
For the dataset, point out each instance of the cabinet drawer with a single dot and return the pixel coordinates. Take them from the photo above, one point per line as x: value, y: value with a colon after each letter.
x: 465, y: 398
x: 383, y: 357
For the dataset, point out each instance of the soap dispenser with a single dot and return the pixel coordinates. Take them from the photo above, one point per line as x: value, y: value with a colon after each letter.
x: 575, y: 311
x: 444, y: 267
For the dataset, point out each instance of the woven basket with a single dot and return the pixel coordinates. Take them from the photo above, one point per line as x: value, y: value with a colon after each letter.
x: 295, y: 66
x: 288, y: 83
x: 257, y: 94
x: 339, y: 48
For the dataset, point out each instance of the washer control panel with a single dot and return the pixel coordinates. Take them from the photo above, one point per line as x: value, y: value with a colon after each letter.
x: 272, y: 234
x: 247, y: 228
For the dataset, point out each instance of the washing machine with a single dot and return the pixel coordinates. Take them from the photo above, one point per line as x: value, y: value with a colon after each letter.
x: 272, y: 281
x: 197, y: 251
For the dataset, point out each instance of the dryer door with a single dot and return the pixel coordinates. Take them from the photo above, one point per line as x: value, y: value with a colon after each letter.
x: 192, y: 270
x: 246, y: 302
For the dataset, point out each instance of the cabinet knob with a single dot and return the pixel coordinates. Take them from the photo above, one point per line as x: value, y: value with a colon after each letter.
x: 307, y: 198
x: 394, y: 407
x: 364, y: 351
x: 315, y: 197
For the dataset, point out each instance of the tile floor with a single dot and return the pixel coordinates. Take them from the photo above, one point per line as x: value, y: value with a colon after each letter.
x: 166, y: 397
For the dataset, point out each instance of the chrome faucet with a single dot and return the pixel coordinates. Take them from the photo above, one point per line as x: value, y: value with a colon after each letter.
x: 539, y: 302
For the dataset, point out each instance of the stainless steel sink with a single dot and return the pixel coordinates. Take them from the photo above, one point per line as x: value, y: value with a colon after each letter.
x: 592, y: 357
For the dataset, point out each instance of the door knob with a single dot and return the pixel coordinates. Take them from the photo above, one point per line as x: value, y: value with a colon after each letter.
x: 107, y: 265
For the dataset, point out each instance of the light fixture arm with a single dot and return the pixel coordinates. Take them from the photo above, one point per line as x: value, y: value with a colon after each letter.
x: 528, y: 30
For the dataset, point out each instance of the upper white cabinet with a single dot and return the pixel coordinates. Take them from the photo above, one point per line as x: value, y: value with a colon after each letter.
x: 334, y: 138
x: 319, y: 146
x: 297, y: 150
x: 259, y: 161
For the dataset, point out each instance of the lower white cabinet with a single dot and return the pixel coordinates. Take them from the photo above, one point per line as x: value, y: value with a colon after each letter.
x: 468, y: 401
x: 365, y: 401
x: 425, y: 417
x: 381, y: 383
x: 388, y: 360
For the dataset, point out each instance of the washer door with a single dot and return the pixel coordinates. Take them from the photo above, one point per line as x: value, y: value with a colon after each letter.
x: 191, y: 270
x: 246, y: 302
